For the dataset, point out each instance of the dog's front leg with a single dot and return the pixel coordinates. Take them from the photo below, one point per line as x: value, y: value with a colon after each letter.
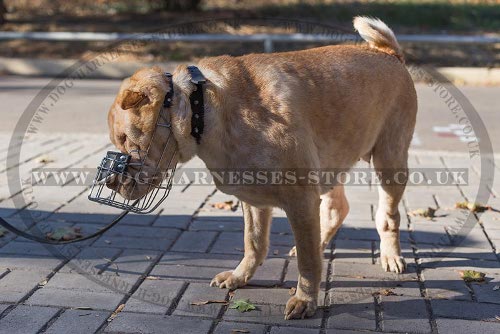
x: 257, y: 225
x: 303, y: 215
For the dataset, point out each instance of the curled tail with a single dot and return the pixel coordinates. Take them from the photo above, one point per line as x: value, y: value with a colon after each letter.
x: 378, y: 35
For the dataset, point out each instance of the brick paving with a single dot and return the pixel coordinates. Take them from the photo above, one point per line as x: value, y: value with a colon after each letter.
x: 143, y: 275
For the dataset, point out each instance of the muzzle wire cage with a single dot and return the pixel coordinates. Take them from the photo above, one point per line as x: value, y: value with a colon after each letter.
x: 154, y: 182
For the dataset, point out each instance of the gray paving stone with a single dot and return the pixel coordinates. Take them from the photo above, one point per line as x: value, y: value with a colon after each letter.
x: 132, y: 262
x: 293, y: 330
x: 269, y: 273
x: 154, y: 296
x: 343, y: 331
x: 136, y: 243
x: 372, y: 271
x: 26, y: 262
x: 3, y: 307
x: 430, y: 235
x: 27, y: 248
x: 465, y: 310
x: 75, y: 281
x: 453, y: 326
x: 191, y: 241
x: 18, y: 283
x: 456, y: 252
x: 354, y: 312
x: 485, y: 292
x: 186, y: 273
x: 263, y: 295
x: 370, y: 286
x: 222, y: 225
x: 359, y: 233
x: 270, y: 314
x: 353, y: 251
x: 281, y: 225
x: 226, y: 327
x: 148, y: 232
x: 401, y: 313
x: 78, y: 322
x: 200, y: 292
x: 201, y: 260
x: 180, y: 221
x: 229, y: 243
x: 127, y: 322
x: 488, y: 267
x: 75, y: 298
x: 445, y: 284
x: 91, y: 261
x: 27, y: 319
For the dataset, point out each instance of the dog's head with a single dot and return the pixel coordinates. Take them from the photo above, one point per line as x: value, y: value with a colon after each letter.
x: 132, y: 121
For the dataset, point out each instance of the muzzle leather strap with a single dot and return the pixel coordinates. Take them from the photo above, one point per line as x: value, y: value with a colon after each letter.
x: 197, y: 104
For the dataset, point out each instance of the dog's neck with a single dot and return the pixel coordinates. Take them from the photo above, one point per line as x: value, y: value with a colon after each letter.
x: 182, y: 113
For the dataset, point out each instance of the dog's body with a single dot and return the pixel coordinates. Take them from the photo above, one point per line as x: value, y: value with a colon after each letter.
x: 321, y: 108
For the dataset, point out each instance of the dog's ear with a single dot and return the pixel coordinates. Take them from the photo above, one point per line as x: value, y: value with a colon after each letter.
x: 131, y: 99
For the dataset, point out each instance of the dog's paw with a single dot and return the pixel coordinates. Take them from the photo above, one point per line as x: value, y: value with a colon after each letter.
x: 299, y: 309
x: 227, y: 280
x: 293, y: 251
x: 394, y: 263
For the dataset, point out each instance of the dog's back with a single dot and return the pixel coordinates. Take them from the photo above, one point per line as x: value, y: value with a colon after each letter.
x: 331, y: 95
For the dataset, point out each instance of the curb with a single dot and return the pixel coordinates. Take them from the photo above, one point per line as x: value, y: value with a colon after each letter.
x: 120, y: 70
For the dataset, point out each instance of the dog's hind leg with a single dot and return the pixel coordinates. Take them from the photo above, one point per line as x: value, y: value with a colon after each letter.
x: 257, y: 227
x: 333, y: 210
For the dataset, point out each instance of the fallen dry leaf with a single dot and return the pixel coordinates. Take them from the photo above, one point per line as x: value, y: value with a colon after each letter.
x: 428, y: 213
x: 43, y: 283
x: 65, y: 233
x: 385, y: 292
x: 231, y: 294
x: 227, y: 205
x: 152, y: 278
x: 205, y: 302
x: 292, y: 291
x: 496, y: 287
x: 276, y: 251
x: 473, y: 207
x: 115, y: 313
x: 472, y: 275
x: 44, y: 160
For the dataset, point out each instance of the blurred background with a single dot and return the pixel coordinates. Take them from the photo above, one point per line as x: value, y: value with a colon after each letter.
x: 445, y: 19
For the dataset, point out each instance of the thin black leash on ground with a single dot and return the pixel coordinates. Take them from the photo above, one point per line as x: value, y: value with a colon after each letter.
x: 32, y: 237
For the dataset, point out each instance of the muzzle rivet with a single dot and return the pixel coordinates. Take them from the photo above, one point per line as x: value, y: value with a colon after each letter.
x: 196, y: 130
x: 196, y: 116
x: 195, y: 102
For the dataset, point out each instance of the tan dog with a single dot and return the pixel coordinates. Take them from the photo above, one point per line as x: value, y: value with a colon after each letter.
x: 320, y: 108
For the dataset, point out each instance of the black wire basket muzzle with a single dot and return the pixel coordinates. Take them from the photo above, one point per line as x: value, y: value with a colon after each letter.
x: 115, y: 166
